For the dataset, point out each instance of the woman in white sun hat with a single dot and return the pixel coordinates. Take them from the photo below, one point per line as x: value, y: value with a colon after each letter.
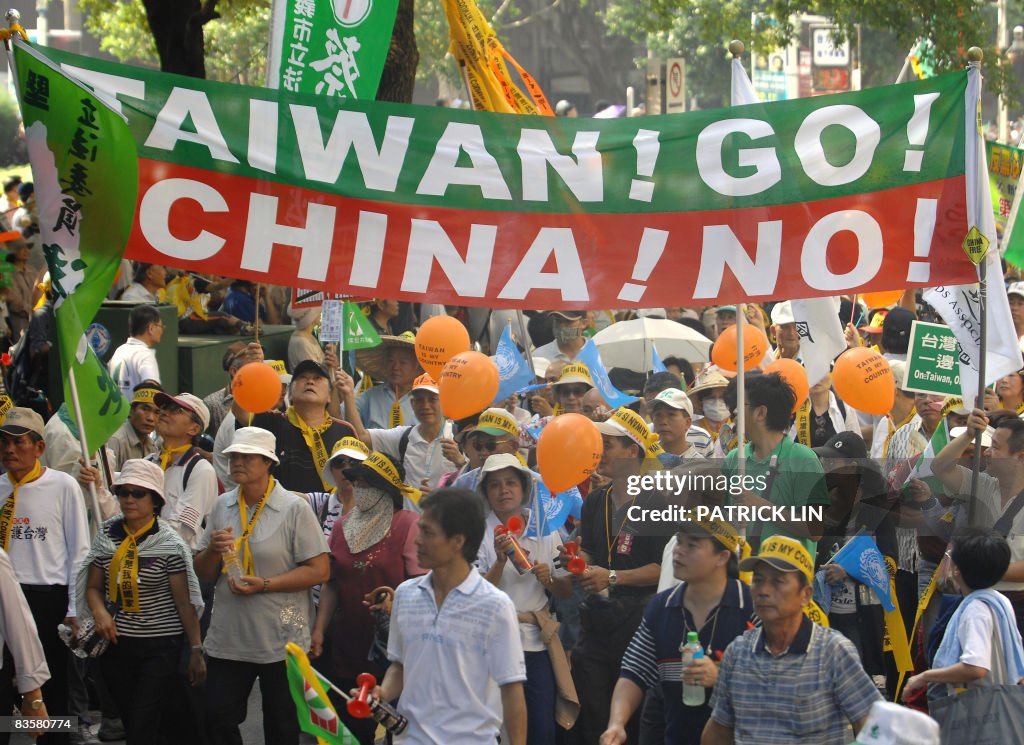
x: 275, y: 537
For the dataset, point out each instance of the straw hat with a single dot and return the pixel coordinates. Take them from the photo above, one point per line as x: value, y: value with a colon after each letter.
x: 374, y: 361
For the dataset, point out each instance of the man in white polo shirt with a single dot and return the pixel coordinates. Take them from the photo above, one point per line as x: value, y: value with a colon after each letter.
x: 43, y: 529
x: 135, y: 361
x: 457, y: 660
x: 418, y: 447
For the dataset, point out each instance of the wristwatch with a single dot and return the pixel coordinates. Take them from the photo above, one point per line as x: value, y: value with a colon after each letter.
x: 613, y: 578
x: 34, y: 704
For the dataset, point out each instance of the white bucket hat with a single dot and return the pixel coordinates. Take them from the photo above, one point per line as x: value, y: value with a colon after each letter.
x: 144, y: 473
x: 254, y: 441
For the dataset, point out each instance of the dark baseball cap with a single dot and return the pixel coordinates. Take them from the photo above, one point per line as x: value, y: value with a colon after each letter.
x: 310, y: 366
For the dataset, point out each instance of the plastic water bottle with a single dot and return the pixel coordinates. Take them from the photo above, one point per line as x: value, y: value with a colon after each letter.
x: 693, y: 695
x: 233, y: 564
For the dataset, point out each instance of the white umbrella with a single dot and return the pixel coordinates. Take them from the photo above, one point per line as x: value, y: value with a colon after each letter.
x: 629, y: 343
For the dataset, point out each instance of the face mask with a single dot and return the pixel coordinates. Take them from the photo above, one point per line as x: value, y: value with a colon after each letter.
x: 367, y: 497
x: 565, y: 334
x: 716, y: 410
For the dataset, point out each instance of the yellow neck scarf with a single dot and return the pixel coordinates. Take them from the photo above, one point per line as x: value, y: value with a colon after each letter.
x: 248, y: 525
x: 169, y: 455
x: 803, y: 424
x: 7, y: 513
x: 124, y: 569
x: 314, y: 439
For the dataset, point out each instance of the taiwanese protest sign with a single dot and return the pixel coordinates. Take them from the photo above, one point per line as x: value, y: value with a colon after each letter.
x: 330, y: 47
x: 804, y: 198
x: 86, y: 178
x: 933, y: 360
x: 1004, y: 164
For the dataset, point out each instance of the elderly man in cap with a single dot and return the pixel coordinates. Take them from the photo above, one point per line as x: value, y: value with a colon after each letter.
x: 190, y: 483
x: 419, y: 448
x: 672, y: 415
x: 567, y: 327
x: 134, y: 439
x: 787, y: 338
x: 713, y: 603
x: 43, y: 529
x: 393, y: 364
x: 789, y: 681
x: 624, y: 557
x: 273, y: 540
x: 306, y: 433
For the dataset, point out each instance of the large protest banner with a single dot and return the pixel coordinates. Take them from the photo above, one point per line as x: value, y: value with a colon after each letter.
x: 805, y: 198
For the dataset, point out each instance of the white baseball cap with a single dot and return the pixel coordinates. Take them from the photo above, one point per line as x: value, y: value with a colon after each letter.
x: 782, y: 313
x: 673, y: 397
x: 1015, y: 288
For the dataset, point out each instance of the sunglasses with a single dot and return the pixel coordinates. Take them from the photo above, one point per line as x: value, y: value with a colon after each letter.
x: 489, y: 445
x: 573, y: 390
x: 342, y: 462
x: 133, y: 493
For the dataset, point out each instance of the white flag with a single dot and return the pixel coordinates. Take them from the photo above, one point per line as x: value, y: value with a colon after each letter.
x: 742, y: 89
x: 960, y: 307
x: 821, y: 334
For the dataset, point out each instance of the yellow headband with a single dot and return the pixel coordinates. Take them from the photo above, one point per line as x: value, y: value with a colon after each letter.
x: 383, y: 467
x: 145, y: 396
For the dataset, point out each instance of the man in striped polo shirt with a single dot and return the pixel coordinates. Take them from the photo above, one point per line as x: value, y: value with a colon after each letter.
x: 789, y: 681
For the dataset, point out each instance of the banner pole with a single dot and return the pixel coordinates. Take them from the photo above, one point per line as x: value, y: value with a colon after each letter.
x: 975, y: 55
x: 741, y: 391
x: 73, y: 389
x: 979, y: 403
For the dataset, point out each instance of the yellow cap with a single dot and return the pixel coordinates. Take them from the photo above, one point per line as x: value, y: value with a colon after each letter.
x: 783, y: 553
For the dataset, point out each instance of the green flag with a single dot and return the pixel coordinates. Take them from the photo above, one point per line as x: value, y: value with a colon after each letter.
x: 330, y: 47
x: 86, y: 183
x: 357, y: 331
x: 316, y: 713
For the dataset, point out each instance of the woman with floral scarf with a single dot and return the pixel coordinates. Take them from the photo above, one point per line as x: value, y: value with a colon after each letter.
x: 372, y: 551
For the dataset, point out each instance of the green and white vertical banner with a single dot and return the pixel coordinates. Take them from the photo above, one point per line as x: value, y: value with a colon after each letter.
x: 330, y: 47
x: 86, y: 174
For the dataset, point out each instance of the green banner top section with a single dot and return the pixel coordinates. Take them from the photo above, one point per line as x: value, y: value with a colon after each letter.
x: 748, y: 156
x: 330, y: 47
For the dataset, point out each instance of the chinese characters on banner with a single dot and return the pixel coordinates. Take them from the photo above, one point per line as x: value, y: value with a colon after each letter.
x: 330, y: 47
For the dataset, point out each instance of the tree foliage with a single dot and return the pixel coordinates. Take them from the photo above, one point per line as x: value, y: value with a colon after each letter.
x: 234, y: 43
x: 700, y: 30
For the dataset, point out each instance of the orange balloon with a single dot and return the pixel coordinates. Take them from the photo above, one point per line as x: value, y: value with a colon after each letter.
x: 793, y: 373
x: 755, y: 344
x: 881, y: 299
x: 438, y: 340
x: 863, y: 379
x: 568, y: 451
x: 256, y: 387
x: 468, y: 384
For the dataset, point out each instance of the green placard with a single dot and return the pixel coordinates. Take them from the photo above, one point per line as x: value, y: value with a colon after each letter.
x: 933, y: 360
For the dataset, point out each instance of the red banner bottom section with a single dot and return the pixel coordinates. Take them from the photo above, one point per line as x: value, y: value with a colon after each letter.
x: 268, y: 232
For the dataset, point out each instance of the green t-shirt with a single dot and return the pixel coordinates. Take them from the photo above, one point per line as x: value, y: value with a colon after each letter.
x: 799, y: 480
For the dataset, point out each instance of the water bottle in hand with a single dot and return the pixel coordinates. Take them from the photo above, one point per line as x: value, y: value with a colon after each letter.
x: 693, y: 695
x: 233, y: 564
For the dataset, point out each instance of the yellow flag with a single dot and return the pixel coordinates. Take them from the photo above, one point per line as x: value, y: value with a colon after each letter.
x: 482, y: 62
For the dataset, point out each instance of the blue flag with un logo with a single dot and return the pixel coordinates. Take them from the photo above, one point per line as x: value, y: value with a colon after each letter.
x: 514, y: 372
x: 863, y: 561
